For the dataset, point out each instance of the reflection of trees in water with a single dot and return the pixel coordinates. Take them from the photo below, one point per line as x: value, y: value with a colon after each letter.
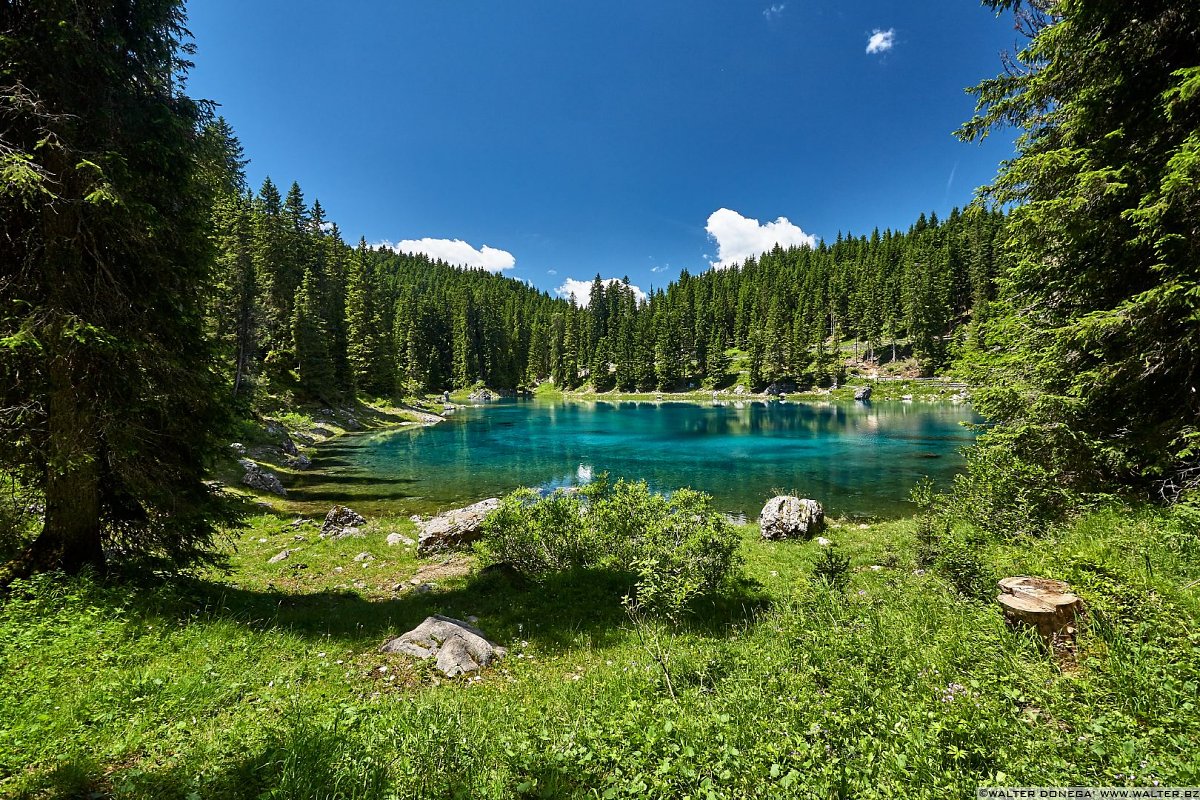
x: 855, y: 458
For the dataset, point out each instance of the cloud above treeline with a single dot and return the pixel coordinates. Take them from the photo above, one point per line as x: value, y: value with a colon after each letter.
x: 739, y: 238
x: 881, y: 41
x: 457, y: 252
x: 583, y: 290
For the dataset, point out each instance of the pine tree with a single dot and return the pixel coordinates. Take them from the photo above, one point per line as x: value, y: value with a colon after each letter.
x: 103, y: 221
x: 358, y: 321
x: 1094, y: 347
x: 718, y: 359
x: 314, y: 370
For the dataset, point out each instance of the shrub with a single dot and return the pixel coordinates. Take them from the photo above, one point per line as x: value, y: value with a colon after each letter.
x: 675, y: 547
x: 1006, y: 496
x: 833, y: 570
x: 961, y: 564
x: 537, y: 535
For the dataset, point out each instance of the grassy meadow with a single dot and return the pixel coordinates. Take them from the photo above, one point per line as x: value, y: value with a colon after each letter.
x: 266, y: 681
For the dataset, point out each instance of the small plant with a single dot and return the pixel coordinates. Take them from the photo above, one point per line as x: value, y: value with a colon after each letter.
x: 962, y: 565
x: 928, y: 535
x: 833, y: 570
x: 652, y: 636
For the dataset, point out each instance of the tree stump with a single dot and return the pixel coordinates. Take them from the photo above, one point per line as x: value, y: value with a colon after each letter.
x: 1045, y: 604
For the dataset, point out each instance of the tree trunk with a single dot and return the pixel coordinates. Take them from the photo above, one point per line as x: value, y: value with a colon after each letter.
x: 70, y: 537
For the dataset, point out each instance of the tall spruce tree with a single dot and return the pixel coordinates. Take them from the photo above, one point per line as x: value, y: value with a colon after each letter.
x: 314, y: 368
x: 109, y: 399
x: 1093, y: 356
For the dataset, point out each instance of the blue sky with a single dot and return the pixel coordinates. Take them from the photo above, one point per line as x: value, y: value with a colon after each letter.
x: 556, y: 140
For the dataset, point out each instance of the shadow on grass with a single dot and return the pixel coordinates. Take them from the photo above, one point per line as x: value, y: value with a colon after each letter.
x: 298, y: 758
x: 561, y: 611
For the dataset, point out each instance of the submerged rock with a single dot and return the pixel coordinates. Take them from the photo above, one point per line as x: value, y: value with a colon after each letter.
x: 458, y: 647
x: 788, y: 517
x: 455, y: 528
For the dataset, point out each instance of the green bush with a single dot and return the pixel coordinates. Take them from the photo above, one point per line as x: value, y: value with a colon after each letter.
x: 833, y: 570
x: 1007, y: 496
x: 537, y: 535
x: 675, y: 547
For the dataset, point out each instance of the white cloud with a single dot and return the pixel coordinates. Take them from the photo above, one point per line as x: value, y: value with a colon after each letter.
x: 881, y: 41
x: 458, y: 252
x: 774, y: 11
x: 739, y: 238
x: 551, y: 272
x: 583, y: 290
x: 663, y: 268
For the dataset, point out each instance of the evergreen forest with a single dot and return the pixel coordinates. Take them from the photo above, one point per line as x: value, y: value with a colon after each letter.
x: 295, y: 309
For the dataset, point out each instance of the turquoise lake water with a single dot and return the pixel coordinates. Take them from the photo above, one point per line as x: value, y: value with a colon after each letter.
x: 855, y: 458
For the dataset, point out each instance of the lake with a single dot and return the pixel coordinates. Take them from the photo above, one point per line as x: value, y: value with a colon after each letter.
x: 857, y: 459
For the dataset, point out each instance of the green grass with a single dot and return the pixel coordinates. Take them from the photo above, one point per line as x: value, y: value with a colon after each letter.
x: 266, y: 682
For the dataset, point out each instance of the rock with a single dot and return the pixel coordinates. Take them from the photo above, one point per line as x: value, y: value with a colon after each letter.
x: 503, y: 572
x: 458, y: 647
x: 455, y: 528
x: 364, y: 557
x: 481, y: 396
x: 341, y: 522
x: 424, y: 588
x: 906, y: 398
x: 862, y: 393
x: 280, y: 556
x: 1041, y: 603
x: 260, y: 480
x: 788, y: 517
x: 394, y: 539
x: 740, y: 389
x: 823, y: 542
x: 299, y: 462
x: 238, y: 448
x: 288, y: 446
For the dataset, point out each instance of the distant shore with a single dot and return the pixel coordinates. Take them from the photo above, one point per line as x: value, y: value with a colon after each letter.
x: 923, y: 389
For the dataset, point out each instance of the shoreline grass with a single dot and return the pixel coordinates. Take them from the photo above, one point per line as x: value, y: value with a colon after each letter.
x: 267, y: 681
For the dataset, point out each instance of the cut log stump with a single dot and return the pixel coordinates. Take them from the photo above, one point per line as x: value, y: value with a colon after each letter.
x: 1042, y: 603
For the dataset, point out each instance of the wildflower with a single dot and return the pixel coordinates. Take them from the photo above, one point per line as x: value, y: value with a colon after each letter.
x: 952, y: 692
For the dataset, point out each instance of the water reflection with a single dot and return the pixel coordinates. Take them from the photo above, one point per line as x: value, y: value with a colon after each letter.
x: 856, y: 458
